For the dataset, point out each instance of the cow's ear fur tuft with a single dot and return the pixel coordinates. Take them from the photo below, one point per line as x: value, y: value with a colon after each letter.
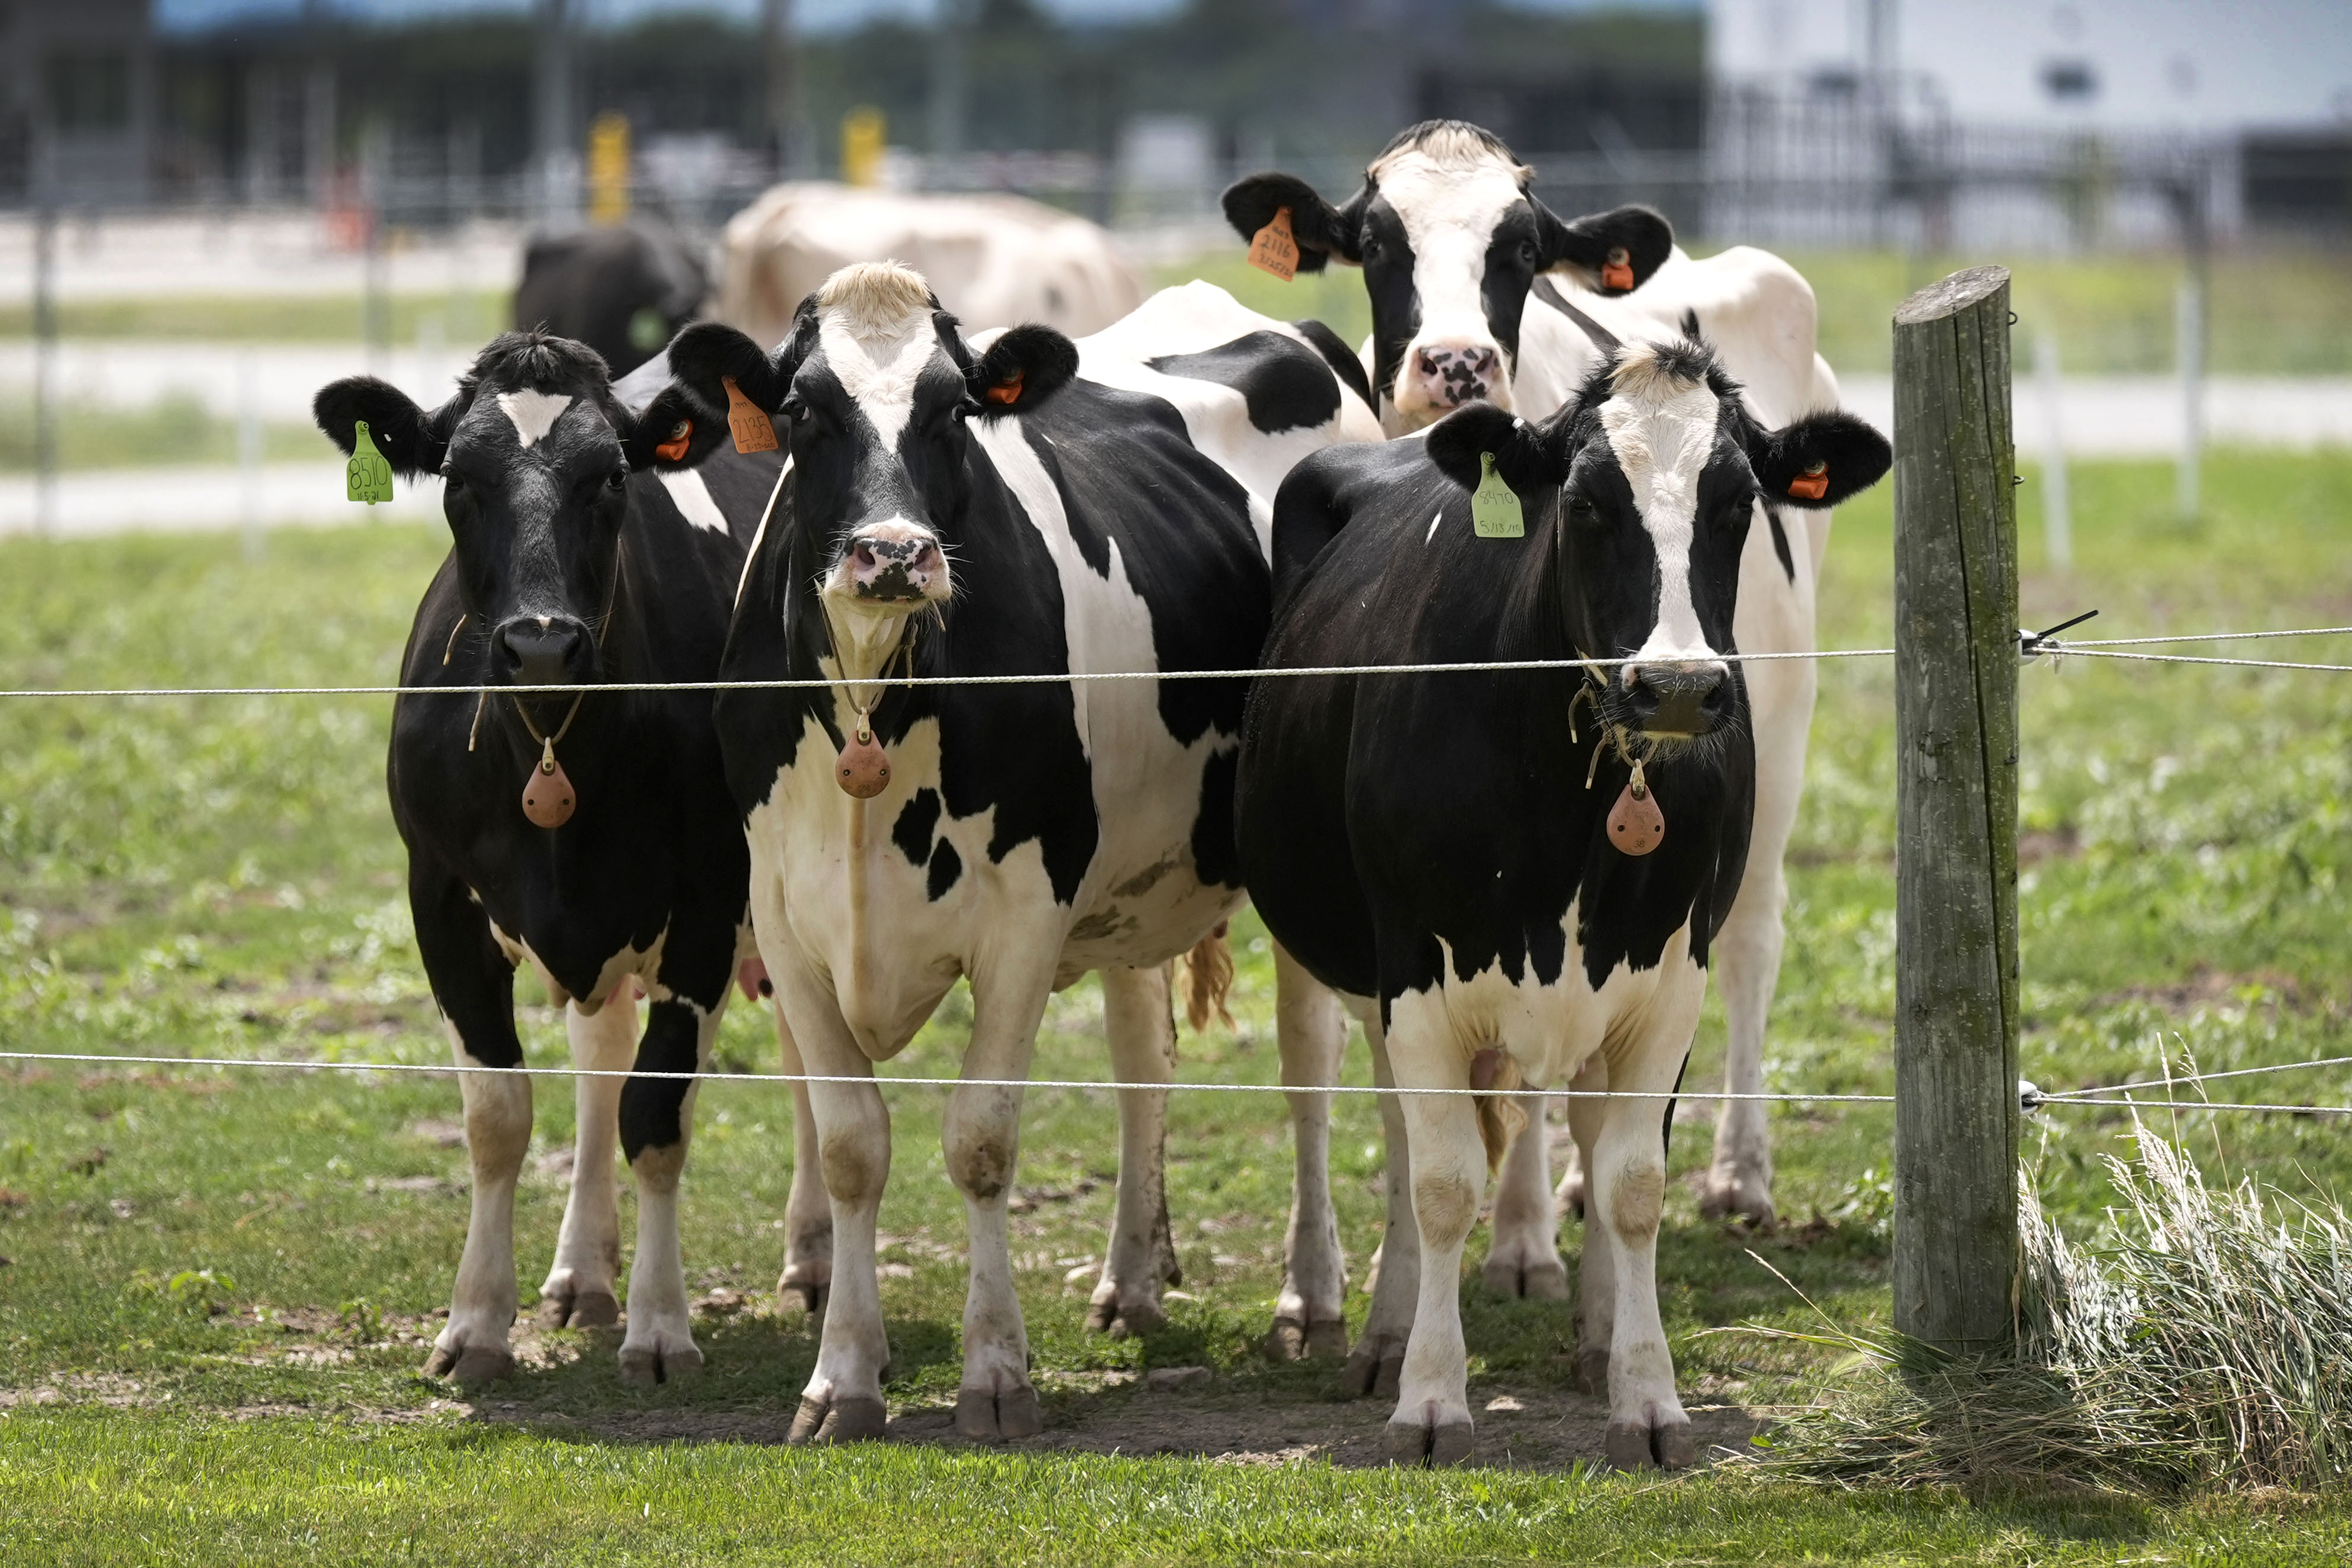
x: 1527, y: 456
x: 412, y: 441
x: 1854, y: 456
x: 704, y: 356
x: 674, y: 431
x: 1022, y: 369
x: 1322, y: 230
x: 1646, y: 238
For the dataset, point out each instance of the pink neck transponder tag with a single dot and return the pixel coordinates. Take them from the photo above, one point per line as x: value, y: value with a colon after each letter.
x: 1636, y: 826
x: 547, y: 798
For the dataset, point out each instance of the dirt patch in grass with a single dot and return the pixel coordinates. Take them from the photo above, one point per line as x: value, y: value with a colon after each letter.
x: 1520, y: 1426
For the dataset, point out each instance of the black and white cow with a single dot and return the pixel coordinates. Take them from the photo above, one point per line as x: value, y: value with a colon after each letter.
x: 1441, y: 230
x: 1440, y: 848
x: 1014, y: 506
x: 624, y: 289
x: 588, y: 548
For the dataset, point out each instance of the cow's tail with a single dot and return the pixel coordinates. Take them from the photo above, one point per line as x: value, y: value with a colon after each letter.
x: 1208, y: 975
x: 1495, y: 1073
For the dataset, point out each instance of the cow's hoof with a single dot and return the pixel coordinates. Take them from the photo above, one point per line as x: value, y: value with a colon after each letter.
x: 1125, y: 1320
x: 648, y: 1364
x: 590, y: 1308
x: 1731, y: 1194
x: 803, y: 1299
x: 1536, y: 1282
x: 1376, y: 1365
x: 845, y: 1418
x: 472, y: 1365
x: 1592, y: 1370
x: 1291, y: 1340
x: 1447, y: 1443
x: 985, y: 1416
x: 1634, y: 1446
x: 1568, y: 1197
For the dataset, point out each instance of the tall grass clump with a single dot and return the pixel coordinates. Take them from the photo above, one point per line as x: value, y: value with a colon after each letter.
x: 2211, y: 1344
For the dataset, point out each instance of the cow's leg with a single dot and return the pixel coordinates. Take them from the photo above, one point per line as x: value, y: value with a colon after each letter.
x: 983, y: 1143
x: 808, y: 1213
x: 1311, y: 1031
x: 1142, y: 1035
x: 578, y: 1291
x: 1775, y: 615
x: 1524, y: 1257
x: 657, y: 1124
x: 1378, y: 1360
x: 474, y: 985
x: 843, y: 1399
x: 1432, y: 1420
x: 1596, y: 1270
x: 1646, y: 1422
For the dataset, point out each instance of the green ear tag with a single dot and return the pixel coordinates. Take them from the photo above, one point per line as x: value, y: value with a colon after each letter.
x: 1493, y: 506
x: 367, y: 477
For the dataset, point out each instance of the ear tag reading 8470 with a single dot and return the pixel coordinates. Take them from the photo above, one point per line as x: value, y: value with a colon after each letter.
x: 367, y: 477
x: 1493, y: 506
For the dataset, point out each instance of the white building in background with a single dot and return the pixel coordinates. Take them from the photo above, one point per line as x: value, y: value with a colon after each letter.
x: 2043, y: 123
x: 2110, y: 65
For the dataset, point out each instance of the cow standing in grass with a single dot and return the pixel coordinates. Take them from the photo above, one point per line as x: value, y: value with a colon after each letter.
x: 1020, y: 506
x: 587, y: 550
x: 1480, y: 294
x: 1445, y: 850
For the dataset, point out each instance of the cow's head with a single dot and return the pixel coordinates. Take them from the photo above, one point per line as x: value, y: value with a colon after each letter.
x: 1450, y: 240
x: 1658, y: 468
x: 534, y: 455
x: 875, y: 388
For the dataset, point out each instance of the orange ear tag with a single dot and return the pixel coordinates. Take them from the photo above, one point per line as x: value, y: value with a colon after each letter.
x: 674, y: 449
x: 754, y: 432
x: 1636, y: 826
x: 1618, y: 273
x: 1008, y: 390
x: 1275, y: 248
x: 1812, y: 484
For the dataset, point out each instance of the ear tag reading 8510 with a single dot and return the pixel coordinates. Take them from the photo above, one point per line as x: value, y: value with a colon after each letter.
x: 1493, y: 506
x: 367, y: 477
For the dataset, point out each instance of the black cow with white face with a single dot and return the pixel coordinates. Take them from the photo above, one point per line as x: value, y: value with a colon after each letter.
x: 1451, y: 188
x: 1447, y: 850
x: 1450, y: 240
x: 1025, y: 506
x: 587, y: 550
x: 624, y: 289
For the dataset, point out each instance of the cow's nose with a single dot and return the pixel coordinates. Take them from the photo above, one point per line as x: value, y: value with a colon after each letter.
x: 1452, y: 374
x: 1678, y: 698
x: 896, y: 561
x: 543, y: 650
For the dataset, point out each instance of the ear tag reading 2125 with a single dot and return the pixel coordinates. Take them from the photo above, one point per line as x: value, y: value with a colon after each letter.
x: 1493, y: 506
x: 367, y: 477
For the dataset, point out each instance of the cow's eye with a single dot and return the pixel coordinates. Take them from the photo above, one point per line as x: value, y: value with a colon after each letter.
x: 618, y: 479
x: 1581, y: 507
x: 1528, y: 251
x: 1371, y: 249
x: 795, y: 409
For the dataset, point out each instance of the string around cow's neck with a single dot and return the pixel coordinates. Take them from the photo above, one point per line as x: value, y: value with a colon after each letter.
x: 1636, y: 826
x: 862, y: 768
x: 548, y: 798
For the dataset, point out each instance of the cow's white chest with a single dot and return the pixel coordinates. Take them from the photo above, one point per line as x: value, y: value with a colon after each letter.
x: 1552, y: 1030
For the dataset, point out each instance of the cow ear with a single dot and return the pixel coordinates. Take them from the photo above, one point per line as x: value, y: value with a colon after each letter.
x: 705, y: 357
x: 1322, y: 230
x: 1620, y: 249
x: 674, y: 431
x: 1527, y: 456
x: 412, y: 441
x: 1022, y: 369
x: 1818, y: 461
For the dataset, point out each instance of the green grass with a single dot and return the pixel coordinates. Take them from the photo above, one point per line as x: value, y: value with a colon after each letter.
x: 220, y: 1283
x: 174, y: 430
x: 266, y: 318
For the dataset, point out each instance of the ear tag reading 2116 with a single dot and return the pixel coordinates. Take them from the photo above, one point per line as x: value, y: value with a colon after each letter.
x: 367, y: 477
x: 1493, y: 506
x: 1275, y: 248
